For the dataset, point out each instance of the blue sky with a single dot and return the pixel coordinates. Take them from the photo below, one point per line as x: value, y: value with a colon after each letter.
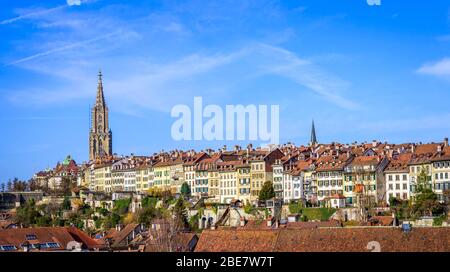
x: 362, y: 72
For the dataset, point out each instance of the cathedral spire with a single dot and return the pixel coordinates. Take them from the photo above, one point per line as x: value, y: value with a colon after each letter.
x: 313, y: 135
x: 100, y: 136
x: 100, y: 98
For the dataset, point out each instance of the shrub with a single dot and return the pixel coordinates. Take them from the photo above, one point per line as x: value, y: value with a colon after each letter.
x: 295, y: 208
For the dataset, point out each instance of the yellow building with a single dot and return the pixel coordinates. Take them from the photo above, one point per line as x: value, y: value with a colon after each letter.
x: 143, y: 173
x: 162, y: 175
x: 213, y: 184
x: 176, y: 173
x: 441, y: 171
x: 258, y: 176
x: 243, y: 185
x: 228, y: 187
x: 102, y: 178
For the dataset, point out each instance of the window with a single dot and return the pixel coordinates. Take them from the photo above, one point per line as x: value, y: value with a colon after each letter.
x: 405, y: 186
x: 31, y: 237
x: 8, y: 248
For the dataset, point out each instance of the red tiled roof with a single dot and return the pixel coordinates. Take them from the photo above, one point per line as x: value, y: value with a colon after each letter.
x: 400, y: 163
x: 82, y: 237
x: 309, y: 225
x: 355, y: 239
x: 18, y: 236
x: 366, y: 160
x: 237, y: 241
x: 426, y: 149
x: 331, y: 163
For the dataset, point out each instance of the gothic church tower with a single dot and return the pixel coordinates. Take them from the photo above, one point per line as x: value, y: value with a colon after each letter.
x: 100, y: 136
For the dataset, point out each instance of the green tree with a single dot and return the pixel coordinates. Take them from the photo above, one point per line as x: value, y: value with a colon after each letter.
x: 147, y: 214
x: 185, y: 190
x: 27, y: 214
x: 121, y: 206
x: 295, y: 208
x: 267, y: 191
x: 149, y: 202
x: 426, y: 202
x: 66, y: 205
x: 111, y: 220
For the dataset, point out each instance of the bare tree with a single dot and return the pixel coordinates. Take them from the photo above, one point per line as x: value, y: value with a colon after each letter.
x: 164, y: 236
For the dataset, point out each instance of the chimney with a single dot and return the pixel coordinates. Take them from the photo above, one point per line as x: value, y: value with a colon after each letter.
x: 439, y: 149
x: 413, y: 148
x: 224, y: 148
x: 446, y: 142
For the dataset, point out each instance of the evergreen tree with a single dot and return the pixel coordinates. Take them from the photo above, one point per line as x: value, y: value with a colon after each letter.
x: 267, y: 191
x: 185, y: 189
x: 9, y: 186
x: 426, y: 202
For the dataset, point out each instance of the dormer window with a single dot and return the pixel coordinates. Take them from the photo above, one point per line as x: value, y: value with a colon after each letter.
x: 31, y: 237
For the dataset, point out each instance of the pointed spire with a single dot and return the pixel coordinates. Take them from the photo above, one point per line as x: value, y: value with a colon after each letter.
x: 100, y: 98
x: 313, y: 135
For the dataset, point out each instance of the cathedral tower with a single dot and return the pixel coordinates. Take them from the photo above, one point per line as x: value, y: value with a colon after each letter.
x: 100, y: 136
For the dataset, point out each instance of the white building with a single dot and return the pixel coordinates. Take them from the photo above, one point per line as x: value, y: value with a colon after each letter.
x: 329, y: 176
x: 397, y: 178
x: 278, y: 179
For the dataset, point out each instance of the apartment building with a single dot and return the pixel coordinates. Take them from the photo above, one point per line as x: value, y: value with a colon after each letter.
x: 329, y: 175
x: 364, y: 180
x: 441, y: 170
x: 397, y: 178
x: 243, y: 179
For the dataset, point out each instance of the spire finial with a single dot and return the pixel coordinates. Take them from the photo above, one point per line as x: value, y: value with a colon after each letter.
x: 100, y: 99
x: 99, y: 75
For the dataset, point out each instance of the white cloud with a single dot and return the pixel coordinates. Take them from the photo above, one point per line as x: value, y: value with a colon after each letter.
x: 173, y: 27
x: 309, y: 75
x: 151, y: 82
x: 40, y: 12
x: 73, y: 2
x: 440, y: 68
x: 64, y: 48
x: 158, y: 87
x: 32, y: 14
